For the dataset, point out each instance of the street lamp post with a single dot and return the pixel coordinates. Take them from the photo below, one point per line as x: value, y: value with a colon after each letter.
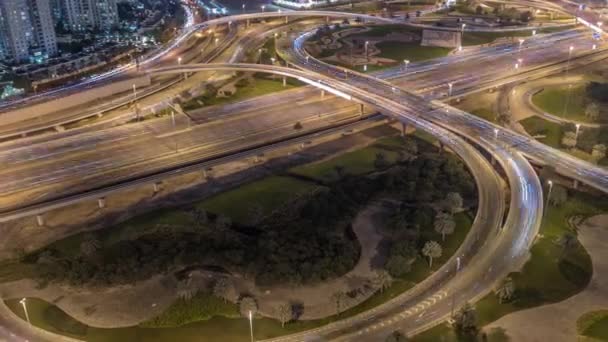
x: 243, y: 7
x: 27, y: 316
x: 569, y: 55
x: 521, y: 43
x: 260, y: 56
x: 251, y: 325
x: 578, y: 127
x: 450, y: 85
x: 406, y: 62
x: 263, y: 8
x: 567, y: 103
x: 550, y: 182
x: 366, y: 45
x: 462, y: 31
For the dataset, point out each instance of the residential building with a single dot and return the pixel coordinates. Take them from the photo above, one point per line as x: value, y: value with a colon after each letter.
x: 27, y: 33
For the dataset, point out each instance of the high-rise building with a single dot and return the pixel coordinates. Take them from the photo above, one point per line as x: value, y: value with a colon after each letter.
x: 26, y: 30
x: 83, y: 15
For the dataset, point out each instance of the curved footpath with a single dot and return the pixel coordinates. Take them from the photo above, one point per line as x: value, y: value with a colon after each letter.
x: 522, y: 106
x: 557, y: 322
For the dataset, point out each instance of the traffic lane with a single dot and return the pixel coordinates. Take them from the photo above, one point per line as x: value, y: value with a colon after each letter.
x: 127, y: 161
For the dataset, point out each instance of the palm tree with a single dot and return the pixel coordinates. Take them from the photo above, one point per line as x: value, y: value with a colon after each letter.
x: 592, y: 111
x: 382, y: 280
x: 431, y: 249
x: 246, y: 305
x: 465, y: 319
x: 285, y: 311
x: 506, y: 290
x: 444, y: 224
x: 453, y: 202
x: 185, y: 290
x: 599, y: 152
x: 569, y: 139
x: 222, y: 287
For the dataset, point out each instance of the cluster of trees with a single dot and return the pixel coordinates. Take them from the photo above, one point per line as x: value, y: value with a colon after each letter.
x: 307, y: 240
x: 430, y: 187
x: 593, y: 140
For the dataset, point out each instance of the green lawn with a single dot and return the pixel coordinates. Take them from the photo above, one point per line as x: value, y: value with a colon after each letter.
x: 539, y: 126
x: 485, y: 113
x: 563, y: 102
x: 594, y: 325
x: 260, y: 86
x: 420, y: 268
x: 411, y: 51
x: 547, y: 277
x: 544, y: 278
x: 268, y: 193
x: 354, y: 163
x: 445, y: 333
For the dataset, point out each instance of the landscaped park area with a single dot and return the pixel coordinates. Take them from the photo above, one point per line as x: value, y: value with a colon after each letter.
x: 374, y: 226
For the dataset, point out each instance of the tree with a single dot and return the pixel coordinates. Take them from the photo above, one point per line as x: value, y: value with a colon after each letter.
x: 465, y: 320
x: 297, y: 126
x: 248, y: 304
x: 478, y: 10
x: 339, y: 171
x: 569, y: 139
x: 89, y: 246
x: 398, y: 265
x: 410, y: 146
x: 568, y: 241
x: 185, y: 290
x: 210, y: 90
x: 559, y: 196
x: 444, y: 224
x: 592, y: 111
x: 505, y: 291
x: 599, y: 152
x: 453, y: 202
x: 339, y: 298
x: 256, y: 214
x: 382, y: 280
x: 380, y: 162
x: 222, y: 288
x: 396, y: 336
x: 222, y: 222
x: 432, y: 249
x: 285, y: 313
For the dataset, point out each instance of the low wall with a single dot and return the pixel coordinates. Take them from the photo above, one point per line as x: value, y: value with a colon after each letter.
x: 74, y: 100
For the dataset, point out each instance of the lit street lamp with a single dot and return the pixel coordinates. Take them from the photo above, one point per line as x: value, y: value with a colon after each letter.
x: 462, y: 31
x: 495, y: 133
x: 550, y: 182
x: 569, y: 55
x: 251, y: 324
x: 243, y: 8
x: 578, y: 127
x: 521, y: 42
x: 406, y: 62
x: 27, y: 316
x: 366, y: 45
x: 450, y: 85
x: 263, y: 8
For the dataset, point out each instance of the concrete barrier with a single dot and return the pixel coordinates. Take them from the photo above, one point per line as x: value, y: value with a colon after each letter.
x: 74, y: 100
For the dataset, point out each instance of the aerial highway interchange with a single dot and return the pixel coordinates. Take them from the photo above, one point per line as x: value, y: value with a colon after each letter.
x: 43, y: 172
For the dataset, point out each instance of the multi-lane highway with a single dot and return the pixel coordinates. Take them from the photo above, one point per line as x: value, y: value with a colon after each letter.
x: 38, y: 173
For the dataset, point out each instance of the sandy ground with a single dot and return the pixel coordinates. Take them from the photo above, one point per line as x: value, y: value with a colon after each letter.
x: 557, y: 322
